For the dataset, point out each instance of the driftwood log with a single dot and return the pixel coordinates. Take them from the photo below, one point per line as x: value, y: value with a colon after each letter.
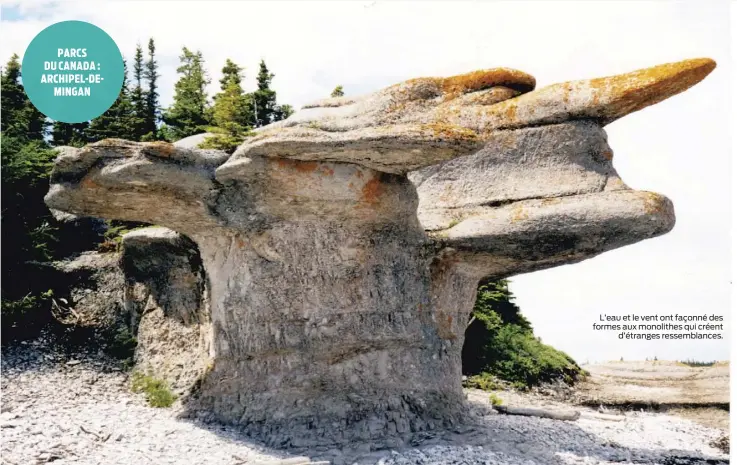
x: 540, y: 413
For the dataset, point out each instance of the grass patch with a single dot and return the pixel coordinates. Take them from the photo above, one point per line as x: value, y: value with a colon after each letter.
x: 484, y: 381
x: 157, y: 392
x: 495, y: 399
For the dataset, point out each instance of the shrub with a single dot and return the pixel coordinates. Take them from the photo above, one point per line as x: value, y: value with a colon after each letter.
x: 697, y: 364
x: 484, y: 381
x: 157, y: 392
x: 226, y: 138
x: 495, y: 400
x: 500, y: 344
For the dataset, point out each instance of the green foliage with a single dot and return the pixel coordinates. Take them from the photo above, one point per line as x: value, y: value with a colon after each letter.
x: 696, y: 363
x: 28, y: 232
x: 264, y: 97
x: 283, y: 112
x: 232, y: 113
x: 525, y: 361
x: 70, y: 134
x: 232, y: 105
x: 19, y: 118
x: 114, y: 232
x: 120, y: 121
x: 189, y: 114
x: 337, y: 92
x: 157, y: 392
x: 138, y: 95
x: 500, y: 342
x: 484, y: 381
x: 31, y: 234
x: 151, y: 115
x: 495, y: 399
x: 267, y: 110
x: 226, y: 139
x: 26, y: 221
x: 122, y: 346
x: 25, y: 316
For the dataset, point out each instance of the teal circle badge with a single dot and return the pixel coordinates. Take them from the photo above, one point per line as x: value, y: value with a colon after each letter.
x: 72, y: 71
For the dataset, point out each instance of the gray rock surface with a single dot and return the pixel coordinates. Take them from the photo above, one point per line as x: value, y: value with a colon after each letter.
x: 167, y: 296
x: 339, y: 287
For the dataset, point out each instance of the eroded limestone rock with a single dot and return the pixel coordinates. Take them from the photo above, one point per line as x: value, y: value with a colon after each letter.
x: 166, y: 293
x: 343, y: 246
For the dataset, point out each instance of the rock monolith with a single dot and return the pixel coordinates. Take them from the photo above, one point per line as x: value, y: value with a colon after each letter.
x: 343, y: 246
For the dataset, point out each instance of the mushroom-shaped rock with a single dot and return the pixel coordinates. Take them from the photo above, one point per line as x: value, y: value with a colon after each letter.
x: 343, y: 246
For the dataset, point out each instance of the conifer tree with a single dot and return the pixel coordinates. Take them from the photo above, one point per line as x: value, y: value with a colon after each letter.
x: 120, y: 121
x: 189, y: 113
x: 232, y: 113
x: 337, y: 92
x: 19, y: 117
x: 232, y: 104
x: 72, y: 134
x: 138, y: 97
x: 151, y: 118
x: 264, y: 98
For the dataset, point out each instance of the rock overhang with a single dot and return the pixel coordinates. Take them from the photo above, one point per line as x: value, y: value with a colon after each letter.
x: 484, y: 148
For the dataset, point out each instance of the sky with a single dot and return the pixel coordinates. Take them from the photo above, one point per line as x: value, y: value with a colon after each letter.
x: 679, y: 148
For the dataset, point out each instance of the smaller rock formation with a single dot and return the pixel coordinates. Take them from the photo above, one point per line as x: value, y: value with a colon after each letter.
x: 166, y: 294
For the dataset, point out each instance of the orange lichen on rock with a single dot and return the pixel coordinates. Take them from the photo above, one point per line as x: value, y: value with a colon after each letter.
x: 604, y: 99
x: 636, y: 90
x: 490, y: 96
x: 297, y: 165
x: 159, y: 149
x: 655, y: 204
x: 454, y: 86
x: 449, y: 131
x: 88, y: 183
x: 485, y: 79
x: 372, y: 190
x: 445, y: 326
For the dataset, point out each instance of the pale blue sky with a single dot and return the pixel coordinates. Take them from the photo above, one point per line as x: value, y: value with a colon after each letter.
x: 680, y: 148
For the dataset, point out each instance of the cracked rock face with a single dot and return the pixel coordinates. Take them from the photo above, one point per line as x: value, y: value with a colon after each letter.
x: 343, y: 246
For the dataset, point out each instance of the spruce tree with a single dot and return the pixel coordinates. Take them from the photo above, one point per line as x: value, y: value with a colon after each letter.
x: 13, y: 100
x: 152, y: 95
x: 264, y: 98
x: 138, y: 98
x: 337, y: 92
x: 19, y: 117
x: 232, y: 113
x: 73, y: 134
x: 120, y: 120
x: 189, y: 113
x: 232, y: 104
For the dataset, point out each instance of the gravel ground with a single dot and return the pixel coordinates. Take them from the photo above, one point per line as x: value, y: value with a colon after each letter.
x: 79, y: 410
